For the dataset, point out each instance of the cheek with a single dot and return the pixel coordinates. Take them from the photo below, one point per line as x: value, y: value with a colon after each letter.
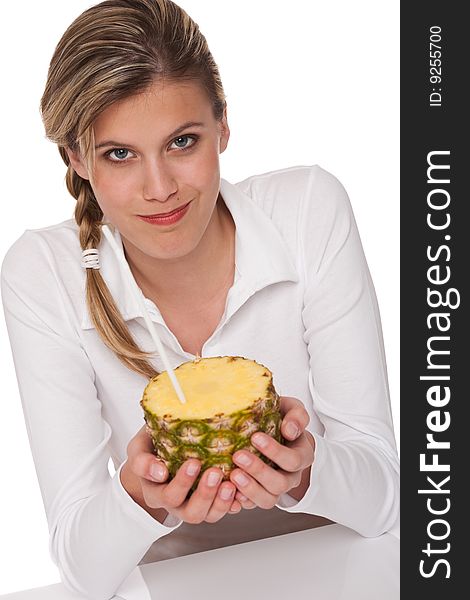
x: 112, y: 190
x: 204, y: 170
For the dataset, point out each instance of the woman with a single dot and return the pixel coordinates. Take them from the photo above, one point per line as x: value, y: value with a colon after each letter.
x: 271, y: 268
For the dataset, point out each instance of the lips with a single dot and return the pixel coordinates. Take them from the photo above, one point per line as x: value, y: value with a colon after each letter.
x: 167, y: 218
x: 168, y: 214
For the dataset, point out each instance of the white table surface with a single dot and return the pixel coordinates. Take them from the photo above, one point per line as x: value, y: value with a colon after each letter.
x: 326, y: 563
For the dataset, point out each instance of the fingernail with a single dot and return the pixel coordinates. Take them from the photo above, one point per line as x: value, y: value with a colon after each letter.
x: 213, y: 479
x: 226, y: 493
x: 157, y: 472
x: 240, y: 478
x: 242, y: 498
x: 260, y: 440
x: 192, y: 469
x: 242, y: 459
x: 292, y: 430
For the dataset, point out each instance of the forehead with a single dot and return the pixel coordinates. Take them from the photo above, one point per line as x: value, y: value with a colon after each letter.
x: 161, y: 108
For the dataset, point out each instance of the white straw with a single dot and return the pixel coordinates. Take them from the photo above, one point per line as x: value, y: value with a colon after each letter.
x: 139, y: 299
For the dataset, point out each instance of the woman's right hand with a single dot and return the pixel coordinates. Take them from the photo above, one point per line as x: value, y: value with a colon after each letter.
x: 140, y: 479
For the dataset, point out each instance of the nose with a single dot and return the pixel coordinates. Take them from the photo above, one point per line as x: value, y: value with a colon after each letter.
x: 159, y: 184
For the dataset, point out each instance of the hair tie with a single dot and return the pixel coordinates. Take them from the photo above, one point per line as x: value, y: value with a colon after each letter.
x: 90, y: 259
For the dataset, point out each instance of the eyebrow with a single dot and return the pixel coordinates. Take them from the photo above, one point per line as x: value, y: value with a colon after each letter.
x: 172, y: 134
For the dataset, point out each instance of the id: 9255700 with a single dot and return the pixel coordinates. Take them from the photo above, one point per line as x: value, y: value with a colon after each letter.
x: 435, y: 62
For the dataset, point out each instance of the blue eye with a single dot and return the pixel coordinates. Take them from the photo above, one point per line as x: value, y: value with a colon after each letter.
x: 120, y: 154
x: 184, y: 138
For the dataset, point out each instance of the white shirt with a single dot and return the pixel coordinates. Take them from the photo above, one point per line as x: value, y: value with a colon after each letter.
x: 302, y: 304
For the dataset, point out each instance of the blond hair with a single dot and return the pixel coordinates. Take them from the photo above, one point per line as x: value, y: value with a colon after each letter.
x: 114, y: 50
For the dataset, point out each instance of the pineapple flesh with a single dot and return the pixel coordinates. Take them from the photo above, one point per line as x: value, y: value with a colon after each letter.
x: 228, y: 399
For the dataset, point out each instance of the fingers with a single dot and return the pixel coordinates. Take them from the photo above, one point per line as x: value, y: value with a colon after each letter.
x: 172, y: 496
x: 253, y: 490
x: 142, y: 460
x: 265, y: 494
x: 223, y: 503
x: 295, y: 456
x: 261, y: 483
x: 295, y: 417
x: 245, y: 502
x: 235, y: 508
x: 210, y: 501
x: 175, y: 492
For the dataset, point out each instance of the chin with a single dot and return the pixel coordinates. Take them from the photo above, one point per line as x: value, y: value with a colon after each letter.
x: 162, y: 245
x: 167, y: 252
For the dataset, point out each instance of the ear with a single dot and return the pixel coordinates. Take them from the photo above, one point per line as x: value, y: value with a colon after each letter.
x: 77, y: 164
x: 224, y: 132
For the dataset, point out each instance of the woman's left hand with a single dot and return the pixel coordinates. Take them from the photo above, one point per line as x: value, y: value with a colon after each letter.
x: 264, y: 485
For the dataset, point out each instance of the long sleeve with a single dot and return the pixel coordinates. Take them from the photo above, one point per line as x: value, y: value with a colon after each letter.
x: 98, y: 534
x: 355, y: 475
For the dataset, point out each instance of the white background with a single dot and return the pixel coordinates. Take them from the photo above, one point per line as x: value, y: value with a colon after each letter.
x: 307, y: 81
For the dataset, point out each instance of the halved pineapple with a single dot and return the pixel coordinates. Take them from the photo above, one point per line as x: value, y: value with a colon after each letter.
x: 228, y: 399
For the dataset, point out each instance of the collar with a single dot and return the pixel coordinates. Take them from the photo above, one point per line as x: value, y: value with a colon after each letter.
x: 261, y: 258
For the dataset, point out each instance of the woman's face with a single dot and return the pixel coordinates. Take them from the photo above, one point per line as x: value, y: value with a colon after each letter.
x: 150, y: 161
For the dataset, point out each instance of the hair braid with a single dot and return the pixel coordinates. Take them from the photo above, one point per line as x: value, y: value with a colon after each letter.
x: 103, y: 311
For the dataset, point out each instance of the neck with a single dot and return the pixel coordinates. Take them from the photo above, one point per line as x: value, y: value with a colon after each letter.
x: 202, y: 274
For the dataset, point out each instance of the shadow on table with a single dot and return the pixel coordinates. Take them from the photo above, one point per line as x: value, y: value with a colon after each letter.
x: 246, y: 526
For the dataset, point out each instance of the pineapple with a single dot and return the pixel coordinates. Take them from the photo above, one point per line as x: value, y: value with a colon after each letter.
x: 228, y: 399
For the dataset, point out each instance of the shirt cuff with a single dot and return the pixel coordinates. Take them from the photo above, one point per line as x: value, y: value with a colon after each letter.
x: 141, y: 516
x: 304, y: 505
